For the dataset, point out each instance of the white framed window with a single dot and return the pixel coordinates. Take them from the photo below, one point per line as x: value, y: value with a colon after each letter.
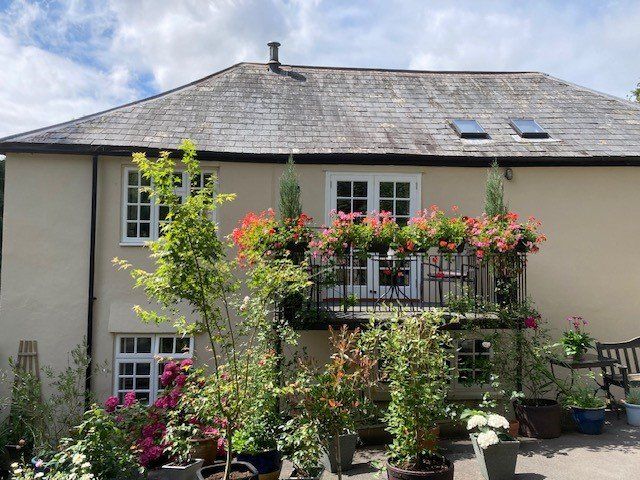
x: 142, y: 217
x: 398, y: 193
x: 139, y: 362
x: 471, y: 366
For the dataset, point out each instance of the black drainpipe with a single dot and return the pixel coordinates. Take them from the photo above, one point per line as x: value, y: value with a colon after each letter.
x: 92, y: 269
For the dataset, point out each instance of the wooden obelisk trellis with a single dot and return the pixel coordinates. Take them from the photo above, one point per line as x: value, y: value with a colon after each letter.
x: 27, y: 360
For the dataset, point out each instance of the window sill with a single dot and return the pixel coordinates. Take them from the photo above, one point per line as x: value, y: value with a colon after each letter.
x: 132, y: 244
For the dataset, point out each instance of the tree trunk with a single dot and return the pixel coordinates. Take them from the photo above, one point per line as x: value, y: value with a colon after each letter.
x: 227, y: 465
x: 338, y: 456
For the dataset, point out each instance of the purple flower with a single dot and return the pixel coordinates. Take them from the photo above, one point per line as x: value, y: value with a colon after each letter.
x: 130, y: 399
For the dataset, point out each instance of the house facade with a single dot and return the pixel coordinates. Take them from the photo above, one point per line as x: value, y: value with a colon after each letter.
x: 362, y: 139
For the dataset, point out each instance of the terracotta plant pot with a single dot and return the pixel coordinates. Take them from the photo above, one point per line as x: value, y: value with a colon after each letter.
x: 539, y: 418
x: 514, y: 428
x: 446, y: 473
x: 497, y: 462
x: 268, y: 463
x: 205, y: 448
x: 218, y: 467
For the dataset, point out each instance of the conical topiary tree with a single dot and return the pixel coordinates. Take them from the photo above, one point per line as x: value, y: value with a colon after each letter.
x: 494, y: 192
x: 290, y: 205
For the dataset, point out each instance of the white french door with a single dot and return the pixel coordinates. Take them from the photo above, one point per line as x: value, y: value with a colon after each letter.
x: 378, y: 278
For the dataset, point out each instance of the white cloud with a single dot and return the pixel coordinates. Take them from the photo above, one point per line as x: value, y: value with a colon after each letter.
x: 72, y: 57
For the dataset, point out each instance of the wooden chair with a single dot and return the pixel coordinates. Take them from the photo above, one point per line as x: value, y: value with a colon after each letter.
x: 626, y: 374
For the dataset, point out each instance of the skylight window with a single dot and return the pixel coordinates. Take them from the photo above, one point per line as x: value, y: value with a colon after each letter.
x: 528, y: 128
x: 468, y: 128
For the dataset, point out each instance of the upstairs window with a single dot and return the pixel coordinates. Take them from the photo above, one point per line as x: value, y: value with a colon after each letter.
x: 467, y: 128
x: 142, y: 217
x: 528, y: 128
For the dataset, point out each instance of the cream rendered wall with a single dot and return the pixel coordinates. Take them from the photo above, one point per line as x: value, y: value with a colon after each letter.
x: 589, y: 266
x: 45, y: 254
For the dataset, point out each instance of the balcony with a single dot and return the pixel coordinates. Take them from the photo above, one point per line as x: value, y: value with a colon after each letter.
x: 350, y: 288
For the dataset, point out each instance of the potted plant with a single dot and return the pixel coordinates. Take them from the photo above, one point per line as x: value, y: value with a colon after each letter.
x: 301, y: 444
x: 575, y: 341
x: 241, y: 471
x: 415, y: 356
x: 333, y: 396
x: 495, y: 449
x: 256, y: 441
x: 632, y: 406
x: 520, y: 359
x: 586, y: 408
x: 342, y: 236
x: 379, y: 229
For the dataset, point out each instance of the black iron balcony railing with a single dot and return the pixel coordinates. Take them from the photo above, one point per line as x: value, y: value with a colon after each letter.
x: 353, y: 286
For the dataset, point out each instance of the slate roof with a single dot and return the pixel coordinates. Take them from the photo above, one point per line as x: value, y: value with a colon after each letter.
x: 248, y: 109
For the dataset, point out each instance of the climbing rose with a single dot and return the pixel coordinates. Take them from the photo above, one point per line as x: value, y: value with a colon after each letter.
x: 110, y: 404
x: 129, y: 399
x: 531, y: 322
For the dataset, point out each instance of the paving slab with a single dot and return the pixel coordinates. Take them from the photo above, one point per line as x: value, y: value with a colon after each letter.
x: 614, y: 455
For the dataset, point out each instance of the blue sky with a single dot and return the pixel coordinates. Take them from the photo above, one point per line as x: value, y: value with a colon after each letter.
x: 63, y: 59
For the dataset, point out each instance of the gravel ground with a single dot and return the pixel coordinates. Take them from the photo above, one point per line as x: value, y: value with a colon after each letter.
x: 614, y: 455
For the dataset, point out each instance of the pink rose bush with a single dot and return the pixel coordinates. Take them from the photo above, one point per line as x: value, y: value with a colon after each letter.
x: 148, y: 426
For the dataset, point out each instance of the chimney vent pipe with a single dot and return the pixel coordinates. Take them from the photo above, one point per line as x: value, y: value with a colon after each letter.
x: 274, y: 63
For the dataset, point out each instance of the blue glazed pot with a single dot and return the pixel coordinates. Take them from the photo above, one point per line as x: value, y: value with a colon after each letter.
x: 264, y: 462
x: 589, y: 420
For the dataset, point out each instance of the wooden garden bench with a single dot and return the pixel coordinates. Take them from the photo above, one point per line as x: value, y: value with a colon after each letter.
x: 626, y: 373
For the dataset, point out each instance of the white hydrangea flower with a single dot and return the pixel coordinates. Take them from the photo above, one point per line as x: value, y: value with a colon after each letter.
x: 78, y: 459
x: 497, y: 421
x: 488, y: 438
x: 486, y: 344
x: 39, y: 475
x: 476, y: 421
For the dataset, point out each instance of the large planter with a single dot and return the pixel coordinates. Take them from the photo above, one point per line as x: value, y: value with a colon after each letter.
x: 497, y: 462
x: 633, y: 414
x: 173, y: 471
x: 348, y: 444
x: 374, y: 435
x: 314, y: 475
x: 268, y: 464
x: 443, y: 473
x: 589, y: 420
x: 539, y: 418
x: 217, y: 469
x: 205, y: 448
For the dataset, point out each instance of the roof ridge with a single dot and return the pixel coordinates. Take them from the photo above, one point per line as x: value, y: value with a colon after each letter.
x: 406, y: 70
x: 118, y: 107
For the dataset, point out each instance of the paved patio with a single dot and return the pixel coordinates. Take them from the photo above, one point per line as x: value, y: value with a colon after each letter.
x: 614, y: 455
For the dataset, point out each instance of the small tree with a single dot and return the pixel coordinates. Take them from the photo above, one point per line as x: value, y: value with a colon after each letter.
x: 494, y: 192
x: 635, y: 93
x: 328, y: 400
x: 290, y: 204
x: 193, y: 274
x: 415, y: 354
